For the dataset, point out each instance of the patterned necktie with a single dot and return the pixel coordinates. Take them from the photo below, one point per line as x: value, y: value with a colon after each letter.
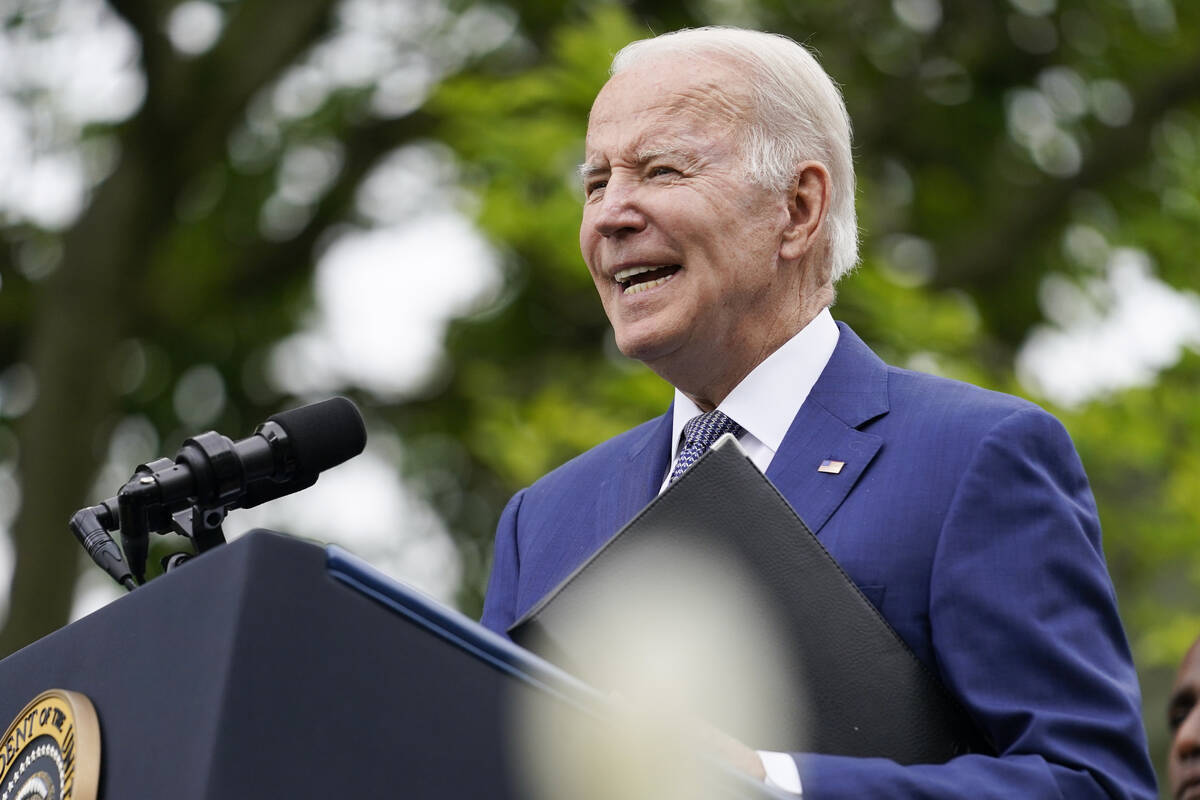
x: 698, y: 435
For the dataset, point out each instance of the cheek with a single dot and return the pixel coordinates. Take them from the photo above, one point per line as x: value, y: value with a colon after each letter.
x: 751, y: 236
x: 587, y: 228
x: 583, y: 238
x: 587, y: 249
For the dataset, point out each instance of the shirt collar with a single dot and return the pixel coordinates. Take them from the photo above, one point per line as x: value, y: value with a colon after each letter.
x: 768, y: 399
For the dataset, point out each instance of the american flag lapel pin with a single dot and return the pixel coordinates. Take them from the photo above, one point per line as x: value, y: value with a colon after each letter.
x: 830, y: 466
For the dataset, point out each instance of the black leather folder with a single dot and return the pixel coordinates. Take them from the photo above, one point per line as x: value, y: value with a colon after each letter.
x: 858, y: 688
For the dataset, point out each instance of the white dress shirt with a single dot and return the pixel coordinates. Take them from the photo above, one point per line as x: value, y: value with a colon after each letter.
x: 767, y: 400
x: 764, y: 404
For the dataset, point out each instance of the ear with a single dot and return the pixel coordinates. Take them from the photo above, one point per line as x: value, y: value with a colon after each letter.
x: 808, y: 204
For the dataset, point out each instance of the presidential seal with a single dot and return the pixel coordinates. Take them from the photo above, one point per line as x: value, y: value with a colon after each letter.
x: 52, y: 750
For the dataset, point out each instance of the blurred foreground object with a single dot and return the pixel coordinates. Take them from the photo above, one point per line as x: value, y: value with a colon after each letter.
x: 678, y: 634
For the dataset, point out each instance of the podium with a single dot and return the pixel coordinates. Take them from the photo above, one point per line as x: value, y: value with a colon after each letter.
x: 272, y: 667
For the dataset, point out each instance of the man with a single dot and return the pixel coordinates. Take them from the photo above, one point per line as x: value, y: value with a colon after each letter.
x: 1183, y: 718
x: 718, y: 214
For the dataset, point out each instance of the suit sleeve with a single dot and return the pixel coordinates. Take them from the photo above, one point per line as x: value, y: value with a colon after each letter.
x: 1025, y: 631
x: 500, y: 602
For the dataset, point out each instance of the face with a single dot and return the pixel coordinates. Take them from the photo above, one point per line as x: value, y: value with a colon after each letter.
x: 687, y: 254
x: 1183, y: 716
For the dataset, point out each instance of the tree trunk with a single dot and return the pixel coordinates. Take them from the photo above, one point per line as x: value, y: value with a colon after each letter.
x: 78, y: 318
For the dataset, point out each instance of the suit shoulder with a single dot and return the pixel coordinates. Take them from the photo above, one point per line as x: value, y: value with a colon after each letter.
x: 963, y: 409
x: 599, y: 460
x: 967, y: 398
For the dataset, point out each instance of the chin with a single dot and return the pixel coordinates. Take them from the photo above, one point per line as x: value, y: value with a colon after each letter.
x: 644, y: 348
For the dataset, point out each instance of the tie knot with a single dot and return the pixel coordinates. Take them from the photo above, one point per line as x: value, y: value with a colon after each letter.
x: 698, y: 435
x: 708, y: 427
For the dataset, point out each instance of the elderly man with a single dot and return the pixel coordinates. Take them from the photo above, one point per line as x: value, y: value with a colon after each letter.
x: 718, y: 214
x: 1183, y: 718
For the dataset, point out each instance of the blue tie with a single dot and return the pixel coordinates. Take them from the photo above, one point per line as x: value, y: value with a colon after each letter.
x: 698, y: 435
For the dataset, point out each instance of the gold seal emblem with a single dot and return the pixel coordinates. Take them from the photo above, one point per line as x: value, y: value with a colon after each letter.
x: 52, y: 750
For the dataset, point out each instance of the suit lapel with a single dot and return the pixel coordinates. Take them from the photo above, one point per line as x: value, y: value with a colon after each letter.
x: 636, y: 478
x: 851, y: 391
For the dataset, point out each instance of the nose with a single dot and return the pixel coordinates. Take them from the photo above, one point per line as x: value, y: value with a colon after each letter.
x: 617, y: 211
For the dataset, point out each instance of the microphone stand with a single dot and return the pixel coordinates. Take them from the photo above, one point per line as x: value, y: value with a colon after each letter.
x: 92, y: 525
x: 139, y: 509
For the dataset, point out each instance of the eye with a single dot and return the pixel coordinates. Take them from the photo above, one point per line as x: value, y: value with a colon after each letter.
x: 660, y: 169
x: 1178, y: 712
x: 593, y: 186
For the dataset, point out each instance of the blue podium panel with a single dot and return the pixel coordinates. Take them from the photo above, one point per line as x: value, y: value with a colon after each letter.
x: 271, y: 667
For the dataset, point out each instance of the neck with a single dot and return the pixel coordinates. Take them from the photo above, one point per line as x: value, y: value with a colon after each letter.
x: 708, y: 377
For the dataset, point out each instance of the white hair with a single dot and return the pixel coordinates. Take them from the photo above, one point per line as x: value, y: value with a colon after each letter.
x: 798, y: 114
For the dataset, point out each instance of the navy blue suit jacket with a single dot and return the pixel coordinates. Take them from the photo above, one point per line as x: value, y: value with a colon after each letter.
x: 966, y: 517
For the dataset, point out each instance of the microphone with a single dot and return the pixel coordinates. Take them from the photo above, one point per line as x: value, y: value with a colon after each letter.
x: 284, y: 455
x: 290, y: 449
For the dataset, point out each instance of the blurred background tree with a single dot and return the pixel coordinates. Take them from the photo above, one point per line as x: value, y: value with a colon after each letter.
x: 210, y: 211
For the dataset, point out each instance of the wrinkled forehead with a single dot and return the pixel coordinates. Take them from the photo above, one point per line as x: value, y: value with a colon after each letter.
x: 686, y: 94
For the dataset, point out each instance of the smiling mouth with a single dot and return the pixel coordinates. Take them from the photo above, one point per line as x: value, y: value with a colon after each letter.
x: 639, y: 279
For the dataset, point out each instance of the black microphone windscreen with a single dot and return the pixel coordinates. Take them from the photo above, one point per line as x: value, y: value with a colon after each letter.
x: 265, y: 490
x: 323, y: 435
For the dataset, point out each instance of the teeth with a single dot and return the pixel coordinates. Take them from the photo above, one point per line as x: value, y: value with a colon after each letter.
x: 626, y: 274
x: 641, y: 287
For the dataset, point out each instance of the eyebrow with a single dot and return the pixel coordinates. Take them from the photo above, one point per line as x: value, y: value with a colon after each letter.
x: 587, y: 170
